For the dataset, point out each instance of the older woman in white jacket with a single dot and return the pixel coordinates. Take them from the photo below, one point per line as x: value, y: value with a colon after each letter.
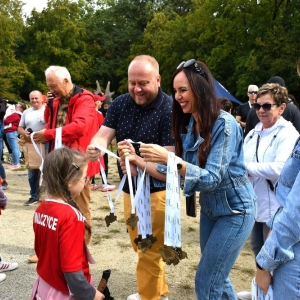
x: 266, y: 149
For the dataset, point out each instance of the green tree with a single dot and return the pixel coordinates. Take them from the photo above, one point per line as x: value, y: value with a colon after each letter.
x: 12, y: 72
x: 112, y: 30
x: 242, y: 42
x: 119, y: 25
x: 165, y: 40
x: 56, y: 36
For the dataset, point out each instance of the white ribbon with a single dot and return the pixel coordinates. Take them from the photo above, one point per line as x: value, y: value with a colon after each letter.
x: 101, y: 148
x: 109, y: 199
x: 58, y: 138
x: 38, y: 151
x: 127, y: 165
x: 140, y: 203
x: 143, y: 203
x: 172, y: 213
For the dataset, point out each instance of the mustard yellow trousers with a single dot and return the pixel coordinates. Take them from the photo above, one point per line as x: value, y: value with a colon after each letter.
x: 150, y: 271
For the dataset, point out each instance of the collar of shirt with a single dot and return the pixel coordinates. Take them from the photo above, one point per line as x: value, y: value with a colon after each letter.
x: 154, y: 104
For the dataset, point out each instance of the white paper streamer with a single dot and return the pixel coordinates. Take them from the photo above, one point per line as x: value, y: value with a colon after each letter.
x: 172, y: 212
x: 109, y: 199
x: 58, y: 138
x: 103, y: 149
x: 140, y: 203
x: 143, y: 204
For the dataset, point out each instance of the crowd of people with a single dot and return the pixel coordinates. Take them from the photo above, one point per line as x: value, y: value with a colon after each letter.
x: 246, y: 169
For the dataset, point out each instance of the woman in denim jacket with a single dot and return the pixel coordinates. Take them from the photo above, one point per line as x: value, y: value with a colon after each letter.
x: 210, y: 143
x: 281, y: 251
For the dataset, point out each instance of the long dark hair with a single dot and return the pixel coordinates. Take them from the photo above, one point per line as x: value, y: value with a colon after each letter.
x: 208, y: 109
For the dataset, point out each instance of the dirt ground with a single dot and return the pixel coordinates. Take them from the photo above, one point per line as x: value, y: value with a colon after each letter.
x: 110, y: 246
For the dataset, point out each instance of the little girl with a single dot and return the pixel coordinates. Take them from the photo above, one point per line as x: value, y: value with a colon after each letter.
x: 63, y: 265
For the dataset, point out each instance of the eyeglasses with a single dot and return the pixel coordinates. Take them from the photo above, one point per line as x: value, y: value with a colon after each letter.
x: 252, y: 92
x: 85, y: 180
x: 193, y: 63
x: 265, y: 106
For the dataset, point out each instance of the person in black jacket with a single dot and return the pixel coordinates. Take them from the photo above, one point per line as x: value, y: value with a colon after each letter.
x: 243, y: 109
x: 291, y: 112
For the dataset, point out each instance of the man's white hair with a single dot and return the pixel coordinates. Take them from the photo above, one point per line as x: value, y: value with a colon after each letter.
x: 253, y: 87
x: 60, y: 72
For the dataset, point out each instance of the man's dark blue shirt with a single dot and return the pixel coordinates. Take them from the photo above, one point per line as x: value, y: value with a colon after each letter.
x: 147, y: 124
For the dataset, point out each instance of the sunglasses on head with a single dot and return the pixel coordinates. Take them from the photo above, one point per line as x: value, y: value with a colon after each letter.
x: 252, y: 92
x: 192, y: 64
x: 265, y: 106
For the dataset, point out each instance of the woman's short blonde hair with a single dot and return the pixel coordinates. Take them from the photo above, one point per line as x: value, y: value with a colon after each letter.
x: 278, y: 92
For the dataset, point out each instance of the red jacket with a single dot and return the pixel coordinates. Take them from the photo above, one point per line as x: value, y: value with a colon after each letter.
x: 100, y: 118
x: 14, y: 120
x: 81, y: 124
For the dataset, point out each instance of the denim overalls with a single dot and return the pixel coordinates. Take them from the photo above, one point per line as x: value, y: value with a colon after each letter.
x: 227, y: 202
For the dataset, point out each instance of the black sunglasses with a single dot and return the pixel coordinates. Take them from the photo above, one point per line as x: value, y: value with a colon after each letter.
x: 193, y: 63
x: 252, y: 92
x: 265, y: 106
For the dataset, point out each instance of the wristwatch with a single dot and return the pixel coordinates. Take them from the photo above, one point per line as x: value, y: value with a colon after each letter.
x: 178, y: 161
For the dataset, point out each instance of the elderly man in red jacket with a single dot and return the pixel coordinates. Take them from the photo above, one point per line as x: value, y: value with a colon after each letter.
x: 73, y: 109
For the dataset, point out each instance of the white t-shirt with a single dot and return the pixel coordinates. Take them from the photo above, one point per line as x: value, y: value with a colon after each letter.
x: 33, y: 118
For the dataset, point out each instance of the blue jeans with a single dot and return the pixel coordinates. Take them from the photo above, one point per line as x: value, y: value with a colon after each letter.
x: 1, y: 145
x: 221, y: 241
x: 33, y: 179
x: 13, y: 143
x: 2, y: 171
x: 286, y: 278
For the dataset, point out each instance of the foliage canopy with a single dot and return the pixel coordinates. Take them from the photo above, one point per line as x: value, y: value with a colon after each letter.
x: 242, y: 42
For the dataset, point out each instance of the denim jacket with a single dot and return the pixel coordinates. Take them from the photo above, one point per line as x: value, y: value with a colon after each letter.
x: 285, y: 224
x: 223, y: 184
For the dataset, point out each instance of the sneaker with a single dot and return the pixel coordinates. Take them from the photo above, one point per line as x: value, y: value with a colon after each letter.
x: 5, y: 266
x: 31, y: 201
x: 4, y: 185
x: 94, y: 187
x: 108, y: 187
x: 137, y: 297
x: 2, y: 277
x: 244, y: 295
x: 14, y: 166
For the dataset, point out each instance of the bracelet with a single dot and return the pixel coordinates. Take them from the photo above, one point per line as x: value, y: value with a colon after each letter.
x: 259, y: 267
